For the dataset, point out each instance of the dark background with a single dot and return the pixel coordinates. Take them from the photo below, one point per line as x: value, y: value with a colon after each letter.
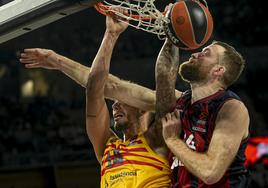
x: 45, y: 130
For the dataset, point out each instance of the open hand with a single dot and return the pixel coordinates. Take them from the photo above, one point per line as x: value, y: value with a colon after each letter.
x: 39, y: 58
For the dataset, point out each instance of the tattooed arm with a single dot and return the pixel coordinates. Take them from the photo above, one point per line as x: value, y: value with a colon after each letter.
x: 165, y: 72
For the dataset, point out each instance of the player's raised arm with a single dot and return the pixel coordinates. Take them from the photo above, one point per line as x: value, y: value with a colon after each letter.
x: 166, y: 72
x: 97, y: 114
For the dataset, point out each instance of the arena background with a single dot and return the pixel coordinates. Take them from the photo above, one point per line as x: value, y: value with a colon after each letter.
x: 43, y: 142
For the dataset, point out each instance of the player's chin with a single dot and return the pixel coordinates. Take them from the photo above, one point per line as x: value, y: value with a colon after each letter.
x: 120, y: 126
x: 186, y: 63
x: 191, y: 61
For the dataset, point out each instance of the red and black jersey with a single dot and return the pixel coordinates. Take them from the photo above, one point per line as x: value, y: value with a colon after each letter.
x: 198, y: 123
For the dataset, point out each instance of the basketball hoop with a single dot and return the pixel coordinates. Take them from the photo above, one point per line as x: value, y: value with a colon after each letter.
x: 142, y: 14
x: 187, y: 23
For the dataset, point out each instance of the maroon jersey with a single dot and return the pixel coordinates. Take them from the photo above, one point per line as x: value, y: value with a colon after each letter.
x: 198, y: 123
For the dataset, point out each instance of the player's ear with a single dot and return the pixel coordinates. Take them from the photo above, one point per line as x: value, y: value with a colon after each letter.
x: 219, y: 70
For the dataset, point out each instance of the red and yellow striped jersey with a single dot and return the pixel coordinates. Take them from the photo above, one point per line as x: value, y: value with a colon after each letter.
x: 133, y: 164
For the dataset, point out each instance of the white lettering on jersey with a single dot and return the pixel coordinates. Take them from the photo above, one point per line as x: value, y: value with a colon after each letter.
x: 190, y: 142
x: 175, y: 162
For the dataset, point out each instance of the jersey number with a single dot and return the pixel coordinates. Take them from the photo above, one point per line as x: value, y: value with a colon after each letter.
x: 190, y: 142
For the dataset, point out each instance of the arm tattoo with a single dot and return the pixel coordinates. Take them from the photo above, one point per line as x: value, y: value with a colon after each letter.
x: 166, y: 74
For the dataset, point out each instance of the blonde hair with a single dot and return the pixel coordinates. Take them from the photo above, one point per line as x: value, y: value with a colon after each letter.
x: 233, y: 62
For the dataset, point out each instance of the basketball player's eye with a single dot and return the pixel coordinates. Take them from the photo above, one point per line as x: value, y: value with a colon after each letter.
x: 206, y: 52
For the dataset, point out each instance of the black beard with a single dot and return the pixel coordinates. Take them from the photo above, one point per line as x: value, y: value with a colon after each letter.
x: 190, y: 72
x: 121, y: 126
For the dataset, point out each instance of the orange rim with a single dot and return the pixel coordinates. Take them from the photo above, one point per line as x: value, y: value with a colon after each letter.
x: 104, y: 9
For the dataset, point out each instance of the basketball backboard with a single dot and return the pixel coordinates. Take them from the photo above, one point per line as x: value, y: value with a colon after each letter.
x: 18, y: 17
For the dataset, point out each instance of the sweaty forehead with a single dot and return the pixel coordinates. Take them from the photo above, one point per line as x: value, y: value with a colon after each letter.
x: 212, y: 47
x: 215, y: 49
x: 219, y: 49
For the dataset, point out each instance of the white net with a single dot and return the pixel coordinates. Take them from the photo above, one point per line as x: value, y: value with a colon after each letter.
x: 142, y: 14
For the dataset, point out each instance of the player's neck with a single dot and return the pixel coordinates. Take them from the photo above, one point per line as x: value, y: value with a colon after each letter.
x: 130, y: 133
x: 200, y: 91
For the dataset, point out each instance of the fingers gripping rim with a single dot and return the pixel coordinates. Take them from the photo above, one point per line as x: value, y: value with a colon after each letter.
x: 106, y: 10
x: 138, y: 9
x: 141, y: 14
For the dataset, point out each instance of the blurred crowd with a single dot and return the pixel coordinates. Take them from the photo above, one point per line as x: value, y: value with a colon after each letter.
x: 41, y: 131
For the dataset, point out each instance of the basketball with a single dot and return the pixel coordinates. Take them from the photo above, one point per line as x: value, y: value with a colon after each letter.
x: 190, y: 25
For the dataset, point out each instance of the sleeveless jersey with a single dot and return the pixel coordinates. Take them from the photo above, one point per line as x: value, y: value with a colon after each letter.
x: 133, y: 164
x: 198, y: 123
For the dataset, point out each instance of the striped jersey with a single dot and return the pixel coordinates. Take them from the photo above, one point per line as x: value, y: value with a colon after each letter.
x: 133, y: 164
x: 198, y: 123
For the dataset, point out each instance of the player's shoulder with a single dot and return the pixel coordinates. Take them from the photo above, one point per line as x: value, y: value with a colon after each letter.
x: 235, y: 103
x: 234, y: 107
x: 235, y: 112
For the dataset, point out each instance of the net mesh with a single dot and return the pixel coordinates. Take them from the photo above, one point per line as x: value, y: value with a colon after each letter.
x: 142, y: 14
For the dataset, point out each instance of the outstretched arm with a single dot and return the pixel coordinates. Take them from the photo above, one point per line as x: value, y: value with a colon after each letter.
x: 229, y: 131
x: 115, y: 88
x: 48, y: 59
